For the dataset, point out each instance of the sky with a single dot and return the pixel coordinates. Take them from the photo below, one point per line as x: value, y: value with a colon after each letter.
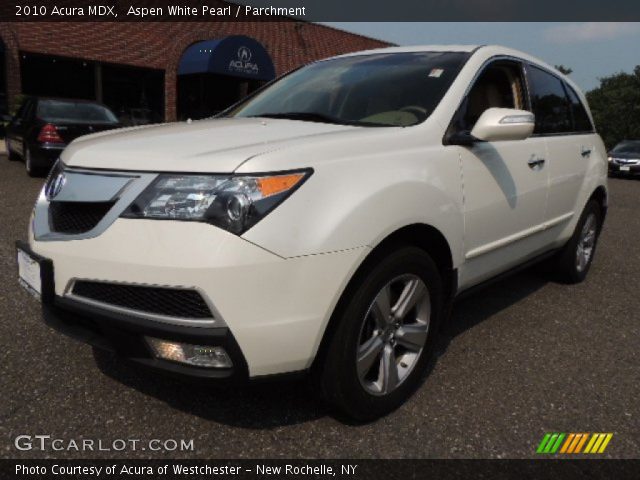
x: 592, y: 49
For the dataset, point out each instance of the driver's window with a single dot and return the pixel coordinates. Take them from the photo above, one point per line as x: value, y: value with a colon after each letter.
x: 499, y: 85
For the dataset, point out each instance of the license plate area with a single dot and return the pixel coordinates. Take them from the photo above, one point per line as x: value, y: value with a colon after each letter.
x: 625, y: 168
x: 35, y: 273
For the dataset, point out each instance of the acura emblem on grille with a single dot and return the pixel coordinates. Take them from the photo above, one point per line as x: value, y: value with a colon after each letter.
x: 55, y: 186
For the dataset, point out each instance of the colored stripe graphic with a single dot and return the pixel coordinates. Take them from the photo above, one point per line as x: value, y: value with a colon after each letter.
x: 577, y: 438
x: 567, y: 442
x: 551, y: 443
x: 543, y: 443
x: 573, y: 443
x: 591, y: 442
x: 606, y: 442
x: 596, y: 445
x: 598, y: 442
x: 576, y: 441
x: 556, y: 446
x: 581, y: 443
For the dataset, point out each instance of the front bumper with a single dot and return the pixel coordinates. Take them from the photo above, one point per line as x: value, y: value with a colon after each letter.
x: 125, y: 336
x: 274, y: 309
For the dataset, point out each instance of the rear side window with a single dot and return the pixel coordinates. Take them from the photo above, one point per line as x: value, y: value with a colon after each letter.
x: 549, y: 102
x: 581, y: 121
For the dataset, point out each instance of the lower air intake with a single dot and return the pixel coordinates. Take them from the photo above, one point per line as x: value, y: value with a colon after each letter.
x: 165, y: 301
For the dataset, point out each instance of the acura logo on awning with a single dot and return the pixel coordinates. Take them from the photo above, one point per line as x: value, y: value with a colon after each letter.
x: 55, y: 185
x: 244, y: 54
x: 243, y: 64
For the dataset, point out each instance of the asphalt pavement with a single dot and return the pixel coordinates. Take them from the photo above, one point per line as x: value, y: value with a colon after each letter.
x: 524, y: 357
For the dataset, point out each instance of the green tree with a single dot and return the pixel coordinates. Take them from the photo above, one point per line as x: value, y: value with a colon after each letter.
x: 615, y: 106
x: 564, y: 70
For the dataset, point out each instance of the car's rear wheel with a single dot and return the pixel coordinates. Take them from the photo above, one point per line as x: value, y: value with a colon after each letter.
x: 576, y: 257
x: 385, y: 333
x: 32, y: 170
x: 11, y: 155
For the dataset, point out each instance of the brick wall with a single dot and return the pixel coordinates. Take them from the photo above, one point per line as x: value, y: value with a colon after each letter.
x: 160, y: 45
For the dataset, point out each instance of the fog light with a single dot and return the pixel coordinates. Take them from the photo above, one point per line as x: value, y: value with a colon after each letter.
x: 198, y: 355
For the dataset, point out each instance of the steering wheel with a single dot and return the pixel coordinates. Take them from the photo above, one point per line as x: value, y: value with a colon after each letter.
x: 417, y: 110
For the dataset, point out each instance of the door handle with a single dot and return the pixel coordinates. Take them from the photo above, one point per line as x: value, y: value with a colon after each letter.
x: 585, y: 152
x: 535, y: 162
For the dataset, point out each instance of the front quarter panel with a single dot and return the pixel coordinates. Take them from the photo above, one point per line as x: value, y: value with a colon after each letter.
x: 360, y: 199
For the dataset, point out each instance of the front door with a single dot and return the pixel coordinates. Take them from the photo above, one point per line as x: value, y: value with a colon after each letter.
x: 505, y: 183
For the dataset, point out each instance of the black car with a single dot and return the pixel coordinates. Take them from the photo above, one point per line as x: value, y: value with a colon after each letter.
x: 42, y: 128
x: 624, y: 158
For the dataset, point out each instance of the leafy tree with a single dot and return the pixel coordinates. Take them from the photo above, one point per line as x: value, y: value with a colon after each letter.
x: 564, y: 70
x: 615, y: 106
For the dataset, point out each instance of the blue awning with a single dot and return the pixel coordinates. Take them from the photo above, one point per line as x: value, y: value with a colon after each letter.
x: 236, y: 55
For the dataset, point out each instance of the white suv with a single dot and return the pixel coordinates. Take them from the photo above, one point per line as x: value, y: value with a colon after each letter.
x: 324, y: 224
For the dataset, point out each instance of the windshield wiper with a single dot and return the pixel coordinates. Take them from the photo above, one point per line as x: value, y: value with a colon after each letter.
x: 316, y: 117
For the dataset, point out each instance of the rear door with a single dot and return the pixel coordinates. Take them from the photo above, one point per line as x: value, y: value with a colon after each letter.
x: 505, y: 183
x: 563, y: 121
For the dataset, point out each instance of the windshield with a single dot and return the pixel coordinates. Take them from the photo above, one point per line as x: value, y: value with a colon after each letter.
x: 627, y: 147
x: 61, y: 111
x: 387, y: 89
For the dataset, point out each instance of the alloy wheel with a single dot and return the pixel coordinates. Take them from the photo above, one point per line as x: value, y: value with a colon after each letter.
x: 393, y: 334
x: 586, y: 243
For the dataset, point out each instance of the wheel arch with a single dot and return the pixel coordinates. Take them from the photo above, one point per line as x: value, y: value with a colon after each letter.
x: 601, y: 197
x: 424, y: 236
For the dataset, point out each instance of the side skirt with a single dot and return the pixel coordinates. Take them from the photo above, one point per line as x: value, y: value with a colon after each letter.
x: 518, y: 268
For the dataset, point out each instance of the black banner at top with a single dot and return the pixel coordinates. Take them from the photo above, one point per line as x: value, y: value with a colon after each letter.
x: 319, y: 10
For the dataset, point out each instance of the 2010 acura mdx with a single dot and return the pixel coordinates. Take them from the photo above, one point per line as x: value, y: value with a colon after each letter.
x: 324, y: 224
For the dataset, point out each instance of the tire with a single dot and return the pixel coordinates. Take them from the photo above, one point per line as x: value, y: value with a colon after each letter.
x: 574, y: 260
x: 11, y: 155
x: 32, y: 170
x: 364, y: 336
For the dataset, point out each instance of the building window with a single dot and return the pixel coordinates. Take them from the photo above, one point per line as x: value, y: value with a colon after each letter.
x: 135, y: 94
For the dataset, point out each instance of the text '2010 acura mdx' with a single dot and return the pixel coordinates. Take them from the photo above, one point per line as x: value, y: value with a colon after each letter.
x: 325, y: 223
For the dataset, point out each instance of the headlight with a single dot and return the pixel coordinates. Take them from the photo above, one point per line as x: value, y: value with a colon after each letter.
x: 234, y: 203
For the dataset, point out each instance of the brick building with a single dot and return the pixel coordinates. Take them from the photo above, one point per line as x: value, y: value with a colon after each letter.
x: 138, y: 68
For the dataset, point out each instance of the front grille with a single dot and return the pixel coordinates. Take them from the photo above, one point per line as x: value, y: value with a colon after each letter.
x: 170, y: 302
x: 76, y: 217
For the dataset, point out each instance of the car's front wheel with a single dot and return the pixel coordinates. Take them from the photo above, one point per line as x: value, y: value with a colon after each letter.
x: 385, y: 333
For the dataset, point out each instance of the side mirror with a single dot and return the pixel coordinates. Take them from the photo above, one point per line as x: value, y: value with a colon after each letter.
x: 503, y: 124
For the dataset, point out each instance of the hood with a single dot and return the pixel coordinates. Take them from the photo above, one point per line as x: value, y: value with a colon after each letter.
x: 213, y: 145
